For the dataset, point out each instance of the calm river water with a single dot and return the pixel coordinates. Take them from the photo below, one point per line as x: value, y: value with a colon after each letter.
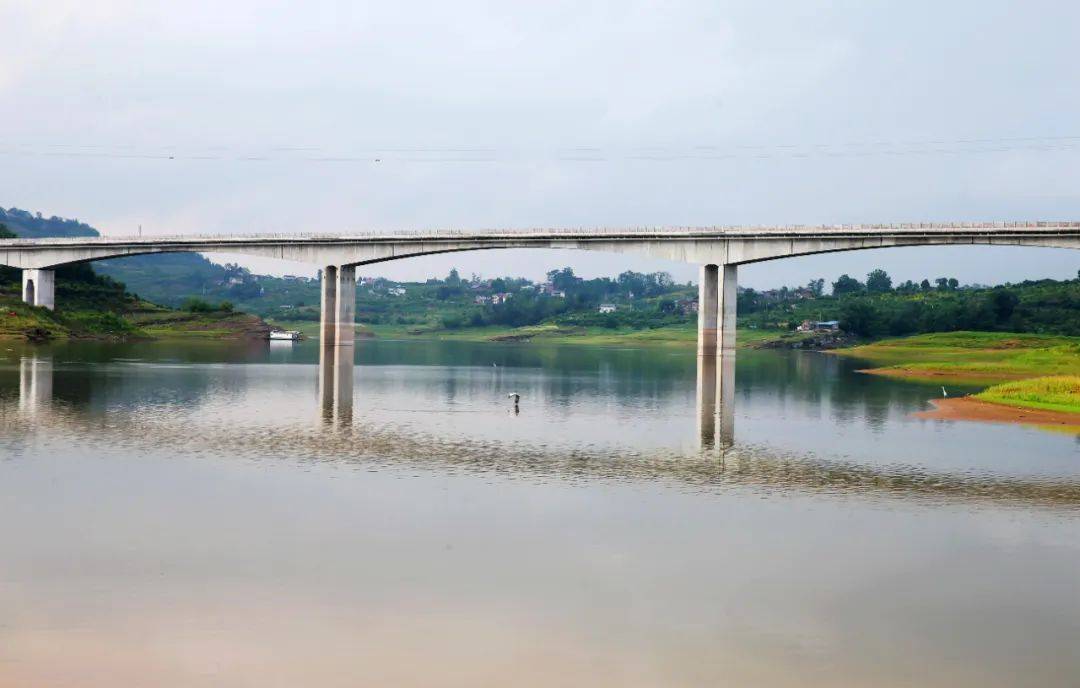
x: 191, y: 515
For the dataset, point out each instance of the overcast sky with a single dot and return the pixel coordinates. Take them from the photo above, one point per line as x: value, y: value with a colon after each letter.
x: 244, y: 117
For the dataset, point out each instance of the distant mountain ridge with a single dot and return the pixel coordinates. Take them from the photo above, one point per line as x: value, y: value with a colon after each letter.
x: 36, y: 226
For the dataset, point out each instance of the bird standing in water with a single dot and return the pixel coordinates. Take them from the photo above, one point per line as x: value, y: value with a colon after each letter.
x: 517, y: 398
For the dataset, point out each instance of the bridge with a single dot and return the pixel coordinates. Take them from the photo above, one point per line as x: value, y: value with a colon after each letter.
x: 718, y: 250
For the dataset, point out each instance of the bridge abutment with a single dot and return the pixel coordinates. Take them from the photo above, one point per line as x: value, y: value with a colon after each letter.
x: 39, y: 288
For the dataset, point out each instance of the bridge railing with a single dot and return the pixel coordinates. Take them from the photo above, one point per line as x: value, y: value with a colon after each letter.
x: 717, y: 231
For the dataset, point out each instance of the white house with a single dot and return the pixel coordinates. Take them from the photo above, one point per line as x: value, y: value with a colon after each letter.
x: 607, y: 308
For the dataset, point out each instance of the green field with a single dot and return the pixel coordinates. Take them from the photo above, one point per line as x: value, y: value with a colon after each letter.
x: 979, y: 358
x: 676, y: 336
x: 1055, y: 393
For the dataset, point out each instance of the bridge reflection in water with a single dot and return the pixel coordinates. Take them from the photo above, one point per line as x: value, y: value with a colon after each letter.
x: 715, y: 394
x: 361, y: 442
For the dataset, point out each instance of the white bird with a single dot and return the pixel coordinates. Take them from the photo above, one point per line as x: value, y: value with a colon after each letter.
x: 943, y: 392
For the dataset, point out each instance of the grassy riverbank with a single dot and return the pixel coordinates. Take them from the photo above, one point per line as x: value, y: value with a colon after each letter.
x: 123, y: 318
x: 673, y: 336
x: 1055, y: 393
x: 976, y: 358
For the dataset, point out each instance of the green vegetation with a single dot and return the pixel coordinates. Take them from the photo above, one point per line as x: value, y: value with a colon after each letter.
x: 972, y: 357
x: 1057, y: 393
x: 877, y: 309
x: 95, y: 306
x: 34, y: 225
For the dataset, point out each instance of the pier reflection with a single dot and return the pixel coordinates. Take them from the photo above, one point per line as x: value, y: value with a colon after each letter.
x: 35, y: 384
x: 716, y: 401
x: 336, y: 368
x: 177, y: 409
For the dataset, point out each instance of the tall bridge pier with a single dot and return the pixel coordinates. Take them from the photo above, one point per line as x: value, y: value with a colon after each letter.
x: 337, y: 337
x: 717, y: 294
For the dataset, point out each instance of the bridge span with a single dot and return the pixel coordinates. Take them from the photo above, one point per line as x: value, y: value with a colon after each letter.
x: 718, y: 250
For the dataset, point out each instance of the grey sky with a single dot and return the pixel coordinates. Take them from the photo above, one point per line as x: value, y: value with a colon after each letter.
x: 486, y: 114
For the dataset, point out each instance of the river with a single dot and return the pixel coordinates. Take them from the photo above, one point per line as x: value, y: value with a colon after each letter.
x: 194, y: 515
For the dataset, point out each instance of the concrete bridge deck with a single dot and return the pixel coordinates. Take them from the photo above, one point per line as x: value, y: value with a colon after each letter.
x: 702, y: 245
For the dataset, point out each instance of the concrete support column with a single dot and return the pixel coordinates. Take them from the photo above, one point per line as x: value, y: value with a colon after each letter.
x: 39, y: 288
x: 707, y: 312
x: 338, y: 326
x: 337, y: 335
x: 345, y: 306
x: 727, y: 295
x: 717, y: 294
x: 327, y: 323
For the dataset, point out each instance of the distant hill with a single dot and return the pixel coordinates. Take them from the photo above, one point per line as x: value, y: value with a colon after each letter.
x: 167, y: 279
x: 36, y: 226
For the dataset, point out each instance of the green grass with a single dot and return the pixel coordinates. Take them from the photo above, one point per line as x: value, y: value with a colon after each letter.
x: 1055, y: 393
x: 676, y: 336
x: 974, y: 357
x: 118, y: 318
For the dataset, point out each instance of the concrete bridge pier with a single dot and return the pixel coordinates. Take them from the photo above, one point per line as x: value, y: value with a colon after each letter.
x: 337, y: 336
x: 338, y: 327
x: 717, y: 293
x: 39, y: 288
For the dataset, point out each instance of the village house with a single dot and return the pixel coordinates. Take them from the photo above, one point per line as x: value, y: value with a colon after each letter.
x: 496, y: 299
x: 818, y: 326
x: 481, y: 300
x: 686, y: 306
x: 607, y: 308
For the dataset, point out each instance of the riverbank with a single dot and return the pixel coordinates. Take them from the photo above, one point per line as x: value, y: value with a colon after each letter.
x: 670, y: 336
x: 1029, y: 379
x: 127, y: 319
x: 970, y: 358
x: 976, y: 409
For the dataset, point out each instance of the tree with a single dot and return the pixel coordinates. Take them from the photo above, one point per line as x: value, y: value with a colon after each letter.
x: 942, y: 283
x: 1004, y: 303
x: 925, y: 285
x: 953, y: 283
x: 6, y: 233
x: 846, y: 284
x: 860, y: 318
x: 563, y: 279
x: 816, y: 287
x: 878, y: 282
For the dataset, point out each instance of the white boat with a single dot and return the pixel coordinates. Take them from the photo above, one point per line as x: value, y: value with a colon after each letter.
x: 288, y: 335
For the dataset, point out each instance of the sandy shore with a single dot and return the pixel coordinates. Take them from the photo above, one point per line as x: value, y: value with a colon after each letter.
x: 969, y: 408
x: 958, y: 376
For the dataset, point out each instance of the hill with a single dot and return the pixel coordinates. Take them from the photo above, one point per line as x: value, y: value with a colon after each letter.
x: 94, y: 306
x: 35, y: 225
